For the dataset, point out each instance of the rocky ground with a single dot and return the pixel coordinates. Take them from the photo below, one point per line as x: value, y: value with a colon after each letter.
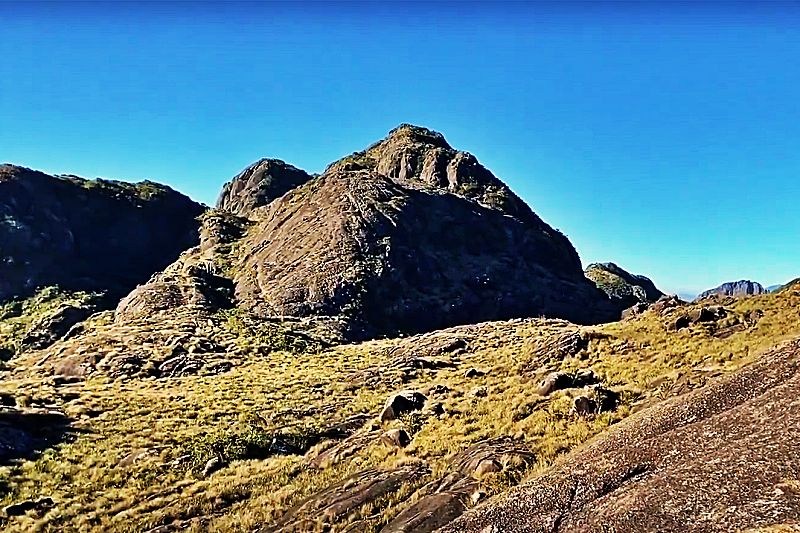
x: 222, y: 427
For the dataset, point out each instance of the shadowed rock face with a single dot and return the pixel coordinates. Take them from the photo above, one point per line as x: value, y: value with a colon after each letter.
x: 723, y: 458
x: 735, y: 289
x: 87, y: 235
x: 410, y: 236
x: 258, y: 185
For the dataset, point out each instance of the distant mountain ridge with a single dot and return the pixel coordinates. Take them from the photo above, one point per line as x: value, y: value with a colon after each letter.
x: 735, y: 289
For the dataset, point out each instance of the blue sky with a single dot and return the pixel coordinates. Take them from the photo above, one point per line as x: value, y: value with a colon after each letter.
x: 664, y: 137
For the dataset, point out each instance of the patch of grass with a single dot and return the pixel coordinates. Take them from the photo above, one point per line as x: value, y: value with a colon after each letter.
x: 266, y: 335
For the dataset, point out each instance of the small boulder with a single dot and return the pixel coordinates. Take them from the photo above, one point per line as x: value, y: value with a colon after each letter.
x: 681, y: 322
x: 479, y: 392
x: 585, y: 377
x: 433, y: 409
x: 605, y: 399
x: 396, y: 438
x: 474, y: 373
x: 18, y: 509
x: 437, y: 390
x: 487, y: 466
x: 555, y: 381
x: 584, y: 406
x: 213, y: 464
x: 635, y: 310
x: 403, y: 402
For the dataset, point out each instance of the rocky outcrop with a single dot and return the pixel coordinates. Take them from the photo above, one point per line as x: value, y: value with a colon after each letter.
x: 343, y: 498
x: 410, y: 236
x: 652, y: 472
x: 197, y: 279
x: 623, y: 288
x: 91, y: 235
x: 258, y: 185
x: 735, y: 289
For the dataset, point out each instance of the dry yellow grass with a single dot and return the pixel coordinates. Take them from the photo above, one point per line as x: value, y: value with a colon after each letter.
x: 160, y: 418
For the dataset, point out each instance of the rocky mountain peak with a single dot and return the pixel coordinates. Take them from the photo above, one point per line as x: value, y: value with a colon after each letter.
x: 259, y: 184
x: 736, y: 289
x: 422, y: 158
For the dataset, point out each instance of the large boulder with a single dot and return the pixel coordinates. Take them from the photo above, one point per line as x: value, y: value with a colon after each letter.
x: 90, y: 235
x: 402, y: 403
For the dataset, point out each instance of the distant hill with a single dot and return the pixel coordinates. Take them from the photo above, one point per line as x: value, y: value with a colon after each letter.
x: 624, y: 289
x: 735, y: 289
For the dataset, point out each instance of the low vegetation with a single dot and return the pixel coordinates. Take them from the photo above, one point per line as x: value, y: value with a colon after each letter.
x: 141, y: 444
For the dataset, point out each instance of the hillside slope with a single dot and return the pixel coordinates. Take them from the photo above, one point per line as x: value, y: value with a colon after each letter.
x: 242, y: 425
x: 87, y: 235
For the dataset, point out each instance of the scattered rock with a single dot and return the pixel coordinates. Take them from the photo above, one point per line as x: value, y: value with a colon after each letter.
x: 213, y: 464
x: 487, y: 466
x: 219, y: 367
x: 49, y: 329
x: 396, y: 437
x: 681, y: 322
x: 7, y: 400
x: 736, y: 438
x: 437, y: 390
x: 584, y: 406
x: 403, y: 402
x: 635, y: 310
x: 562, y: 380
x: 433, y: 409
x: 344, y: 497
x: 474, y: 373
x: 605, y: 399
x: 708, y: 314
x: 181, y: 365
x: 479, y: 392
x: 502, y: 450
x: 666, y: 302
x: 18, y: 509
x: 555, y: 381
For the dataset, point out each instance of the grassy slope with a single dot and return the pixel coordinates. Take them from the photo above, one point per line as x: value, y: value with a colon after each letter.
x: 307, y: 390
x: 16, y: 316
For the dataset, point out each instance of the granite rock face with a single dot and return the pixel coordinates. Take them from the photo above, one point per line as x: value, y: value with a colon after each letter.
x: 90, y: 235
x: 623, y: 288
x: 736, y: 289
x: 653, y: 473
x: 409, y: 236
x: 259, y: 184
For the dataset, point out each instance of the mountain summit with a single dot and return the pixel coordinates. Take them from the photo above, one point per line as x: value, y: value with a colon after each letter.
x: 408, y: 235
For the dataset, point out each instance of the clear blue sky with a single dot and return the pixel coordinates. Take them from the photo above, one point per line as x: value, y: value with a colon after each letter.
x: 665, y: 138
